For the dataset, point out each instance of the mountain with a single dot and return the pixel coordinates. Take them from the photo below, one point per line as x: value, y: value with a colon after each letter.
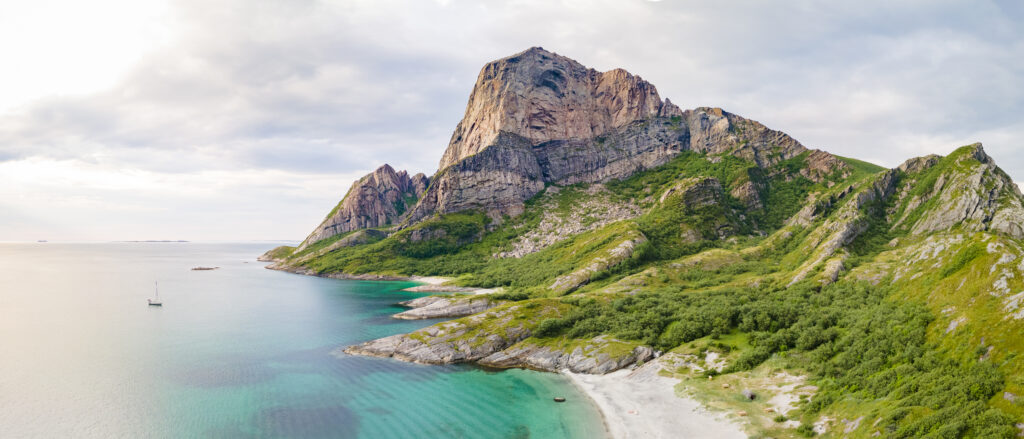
x: 616, y: 229
x: 380, y: 198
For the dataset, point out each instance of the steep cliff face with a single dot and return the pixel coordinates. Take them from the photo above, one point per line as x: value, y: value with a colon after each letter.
x: 380, y: 198
x: 968, y: 189
x: 536, y: 119
x: 714, y: 131
x: 542, y: 96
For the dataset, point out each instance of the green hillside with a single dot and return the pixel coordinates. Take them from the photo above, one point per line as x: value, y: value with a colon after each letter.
x: 896, y: 293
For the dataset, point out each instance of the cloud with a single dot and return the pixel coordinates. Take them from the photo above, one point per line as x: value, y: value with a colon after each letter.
x: 309, y: 91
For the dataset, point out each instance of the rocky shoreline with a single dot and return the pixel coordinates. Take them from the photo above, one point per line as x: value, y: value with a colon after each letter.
x: 468, y: 340
x: 634, y: 398
x: 477, y: 339
x: 622, y: 380
x: 434, y: 307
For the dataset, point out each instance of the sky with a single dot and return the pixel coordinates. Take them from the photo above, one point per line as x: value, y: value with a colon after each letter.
x: 249, y: 120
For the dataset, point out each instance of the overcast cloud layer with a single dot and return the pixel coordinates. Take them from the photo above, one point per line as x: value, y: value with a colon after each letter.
x: 248, y: 120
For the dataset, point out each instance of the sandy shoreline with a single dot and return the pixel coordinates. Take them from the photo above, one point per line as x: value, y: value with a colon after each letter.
x: 640, y: 403
x: 436, y: 284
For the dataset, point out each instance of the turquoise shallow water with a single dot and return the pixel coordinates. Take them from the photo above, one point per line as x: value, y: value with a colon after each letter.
x: 237, y: 352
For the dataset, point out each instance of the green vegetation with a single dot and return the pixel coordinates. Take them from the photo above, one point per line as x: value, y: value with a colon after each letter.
x: 687, y: 164
x: 861, y: 345
x: 281, y: 252
x: 963, y: 257
x: 462, y: 244
x: 861, y: 167
x: 912, y: 334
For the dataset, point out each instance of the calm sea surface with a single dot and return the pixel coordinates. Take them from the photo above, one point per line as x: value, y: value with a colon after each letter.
x: 236, y: 352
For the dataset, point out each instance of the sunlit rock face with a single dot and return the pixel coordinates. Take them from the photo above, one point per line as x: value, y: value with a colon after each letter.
x: 973, y: 193
x: 541, y: 96
x: 381, y: 197
x: 536, y: 119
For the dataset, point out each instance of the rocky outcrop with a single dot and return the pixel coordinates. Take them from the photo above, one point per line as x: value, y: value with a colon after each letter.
x: 592, y: 357
x: 821, y: 165
x: 496, y: 180
x: 695, y: 192
x: 358, y: 238
x: 493, y: 338
x: 464, y: 340
x: 974, y: 193
x: 592, y: 212
x: 379, y: 198
x: 435, y: 307
x: 842, y: 228
x: 918, y: 164
x: 603, y: 261
x: 751, y: 191
x: 715, y: 131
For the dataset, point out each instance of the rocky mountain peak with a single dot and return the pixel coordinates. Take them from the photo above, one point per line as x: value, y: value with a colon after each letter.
x: 977, y: 151
x: 918, y: 164
x: 542, y: 96
x: 965, y: 188
x: 536, y: 119
x: 379, y: 198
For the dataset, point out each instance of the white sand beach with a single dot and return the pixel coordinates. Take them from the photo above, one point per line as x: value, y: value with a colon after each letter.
x: 430, y: 280
x: 437, y: 284
x: 640, y: 403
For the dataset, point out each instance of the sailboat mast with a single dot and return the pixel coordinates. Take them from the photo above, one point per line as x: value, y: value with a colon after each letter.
x: 156, y: 286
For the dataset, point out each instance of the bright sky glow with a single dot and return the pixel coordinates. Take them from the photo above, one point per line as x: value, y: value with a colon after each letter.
x: 55, y: 47
x: 241, y: 120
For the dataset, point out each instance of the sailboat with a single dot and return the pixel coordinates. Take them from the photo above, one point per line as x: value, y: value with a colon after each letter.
x: 156, y: 300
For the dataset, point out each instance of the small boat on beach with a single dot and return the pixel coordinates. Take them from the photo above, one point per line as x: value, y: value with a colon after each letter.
x: 155, y: 301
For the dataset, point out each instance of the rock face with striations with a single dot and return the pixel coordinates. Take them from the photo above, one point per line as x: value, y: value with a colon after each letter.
x: 541, y: 96
x: 380, y: 198
x: 538, y: 118
x: 974, y: 193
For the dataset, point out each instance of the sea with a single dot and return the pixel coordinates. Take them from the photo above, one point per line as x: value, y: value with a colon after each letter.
x: 236, y: 352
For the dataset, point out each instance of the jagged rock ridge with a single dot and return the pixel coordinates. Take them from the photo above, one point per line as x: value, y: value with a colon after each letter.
x: 380, y: 198
x: 538, y: 118
x: 982, y: 197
